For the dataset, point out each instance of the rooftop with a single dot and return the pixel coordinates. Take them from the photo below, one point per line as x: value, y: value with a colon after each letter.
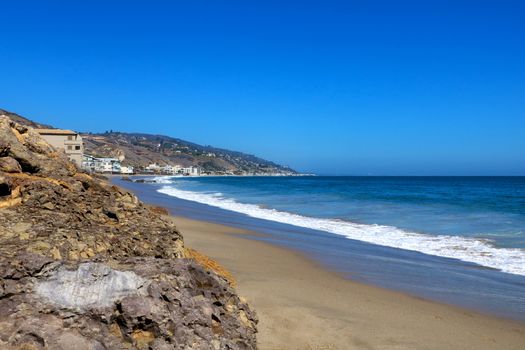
x: 55, y: 132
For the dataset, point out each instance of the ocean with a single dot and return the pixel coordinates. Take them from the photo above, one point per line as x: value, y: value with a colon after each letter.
x: 459, y: 240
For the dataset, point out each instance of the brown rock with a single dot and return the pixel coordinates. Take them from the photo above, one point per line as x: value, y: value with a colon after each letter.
x: 32, y: 153
x: 137, y: 303
x: 4, y: 149
x: 116, y: 268
x: 10, y: 165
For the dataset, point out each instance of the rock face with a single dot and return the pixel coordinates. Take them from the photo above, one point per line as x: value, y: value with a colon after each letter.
x: 91, y: 285
x: 135, y: 303
x: 86, y: 265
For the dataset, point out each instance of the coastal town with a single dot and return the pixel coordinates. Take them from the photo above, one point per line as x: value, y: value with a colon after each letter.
x: 73, y: 145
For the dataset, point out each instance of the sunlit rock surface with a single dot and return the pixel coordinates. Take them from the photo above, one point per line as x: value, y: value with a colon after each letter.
x: 86, y: 265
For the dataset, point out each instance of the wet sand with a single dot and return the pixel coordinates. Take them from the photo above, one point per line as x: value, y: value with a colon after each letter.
x: 304, y: 306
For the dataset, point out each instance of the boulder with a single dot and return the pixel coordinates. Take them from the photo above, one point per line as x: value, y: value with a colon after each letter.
x: 31, y: 151
x: 10, y: 165
x: 136, y: 303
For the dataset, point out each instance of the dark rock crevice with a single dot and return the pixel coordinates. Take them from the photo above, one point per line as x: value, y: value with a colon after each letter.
x: 5, y: 189
x: 26, y: 166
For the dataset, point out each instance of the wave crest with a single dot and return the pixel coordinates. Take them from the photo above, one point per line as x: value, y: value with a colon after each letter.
x: 479, y: 251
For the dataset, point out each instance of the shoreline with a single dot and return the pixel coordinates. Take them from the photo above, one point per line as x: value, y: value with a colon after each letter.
x: 302, y: 305
x: 448, y: 281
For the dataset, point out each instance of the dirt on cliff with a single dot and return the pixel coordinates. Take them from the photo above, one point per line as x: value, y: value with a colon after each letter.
x: 86, y: 265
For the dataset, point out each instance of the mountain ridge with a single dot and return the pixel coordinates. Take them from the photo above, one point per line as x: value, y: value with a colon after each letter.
x: 139, y: 150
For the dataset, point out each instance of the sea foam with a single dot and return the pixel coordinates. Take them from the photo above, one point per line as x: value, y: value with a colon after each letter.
x: 165, y: 180
x: 478, y: 251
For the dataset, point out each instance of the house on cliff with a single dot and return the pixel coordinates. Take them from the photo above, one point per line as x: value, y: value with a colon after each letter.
x: 67, y: 140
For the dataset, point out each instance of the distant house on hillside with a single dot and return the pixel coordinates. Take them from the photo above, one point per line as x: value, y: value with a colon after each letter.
x: 67, y: 140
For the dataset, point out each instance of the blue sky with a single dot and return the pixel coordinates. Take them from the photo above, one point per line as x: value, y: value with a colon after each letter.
x: 334, y: 87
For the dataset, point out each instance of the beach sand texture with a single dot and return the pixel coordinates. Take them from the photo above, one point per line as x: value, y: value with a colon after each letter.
x: 303, y: 306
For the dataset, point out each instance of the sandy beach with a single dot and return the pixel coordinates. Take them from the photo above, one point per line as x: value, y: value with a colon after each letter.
x: 303, y: 306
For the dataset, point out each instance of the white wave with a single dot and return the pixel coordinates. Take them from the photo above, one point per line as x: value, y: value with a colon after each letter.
x: 165, y: 180
x: 479, y: 251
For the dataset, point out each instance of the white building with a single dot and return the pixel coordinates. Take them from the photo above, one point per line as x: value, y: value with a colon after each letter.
x: 103, y: 165
x: 107, y: 165
x: 152, y: 168
x: 126, y: 170
x: 191, y: 171
x: 171, y: 169
x: 88, y: 163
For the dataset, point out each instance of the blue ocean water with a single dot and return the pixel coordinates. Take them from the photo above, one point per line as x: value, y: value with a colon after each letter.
x: 476, y: 219
x: 460, y: 240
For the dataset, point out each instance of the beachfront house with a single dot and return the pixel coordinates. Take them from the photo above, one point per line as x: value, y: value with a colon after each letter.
x: 126, y: 170
x: 171, y: 169
x: 104, y: 165
x: 107, y: 165
x: 191, y: 171
x: 68, y: 141
x: 152, y: 168
x: 88, y: 163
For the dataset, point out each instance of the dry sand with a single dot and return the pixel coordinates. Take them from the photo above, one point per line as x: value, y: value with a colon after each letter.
x: 303, y: 306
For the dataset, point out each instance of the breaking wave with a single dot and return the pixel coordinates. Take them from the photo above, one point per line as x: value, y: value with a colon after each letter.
x: 163, y: 180
x: 479, y: 251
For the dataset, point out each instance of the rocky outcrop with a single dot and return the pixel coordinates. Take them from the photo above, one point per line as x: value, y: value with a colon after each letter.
x: 135, y: 303
x: 86, y: 265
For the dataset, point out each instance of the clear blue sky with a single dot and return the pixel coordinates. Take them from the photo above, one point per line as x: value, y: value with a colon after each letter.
x: 334, y: 87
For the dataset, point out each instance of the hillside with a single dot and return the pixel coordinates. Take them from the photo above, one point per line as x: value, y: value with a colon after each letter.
x: 140, y: 150
x: 21, y: 120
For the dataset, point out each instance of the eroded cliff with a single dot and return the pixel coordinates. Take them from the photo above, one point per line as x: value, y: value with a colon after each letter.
x: 86, y: 265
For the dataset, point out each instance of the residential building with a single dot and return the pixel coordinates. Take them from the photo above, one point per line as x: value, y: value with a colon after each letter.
x: 171, y: 169
x: 152, y: 168
x: 107, y: 165
x: 67, y: 140
x: 89, y: 163
x: 191, y: 171
x: 103, y: 165
x: 126, y: 170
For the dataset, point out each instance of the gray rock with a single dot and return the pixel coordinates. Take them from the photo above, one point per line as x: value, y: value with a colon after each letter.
x: 90, y: 285
x: 138, y: 303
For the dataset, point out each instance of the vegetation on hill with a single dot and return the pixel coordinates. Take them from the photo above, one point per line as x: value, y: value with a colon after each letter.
x: 139, y: 150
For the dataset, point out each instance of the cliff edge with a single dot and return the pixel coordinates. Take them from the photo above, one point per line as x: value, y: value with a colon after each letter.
x: 86, y: 265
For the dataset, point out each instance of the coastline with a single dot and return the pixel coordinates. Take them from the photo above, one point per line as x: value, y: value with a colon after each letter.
x: 449, y: 281
x: 304, y: 306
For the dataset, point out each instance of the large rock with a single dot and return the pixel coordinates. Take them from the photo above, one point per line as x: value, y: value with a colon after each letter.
x: 10, y: 165
x: 137, y: 303
x: 86, y: 265
x: 31, y: 151
x: 91, y: 285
